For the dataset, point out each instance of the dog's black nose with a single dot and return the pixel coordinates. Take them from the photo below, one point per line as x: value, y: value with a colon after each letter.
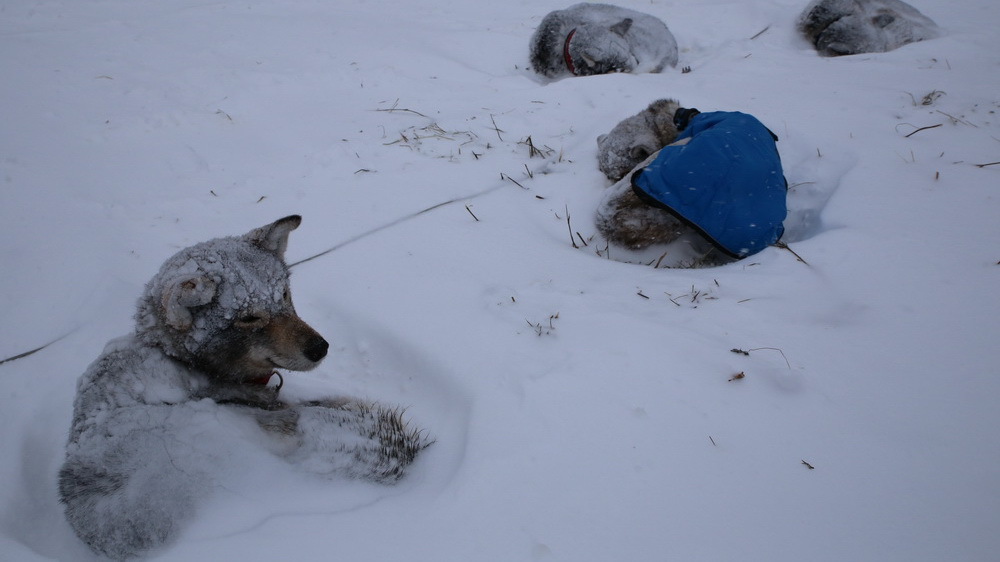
x: 683, y: 116
x: 316, y: 349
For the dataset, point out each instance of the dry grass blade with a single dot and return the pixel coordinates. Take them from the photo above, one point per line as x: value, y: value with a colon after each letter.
x: 774, y: 349
x: 471, y: 213
x: 570, y: 227
x: 495, y: 128
x: 512, y: 180
x: 395, y: 108
x: 922, y: 129
x: 761, y: 32
x: 784, y: 246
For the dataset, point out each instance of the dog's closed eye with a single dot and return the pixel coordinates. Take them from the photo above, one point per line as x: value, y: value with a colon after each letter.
x: 252, y: 321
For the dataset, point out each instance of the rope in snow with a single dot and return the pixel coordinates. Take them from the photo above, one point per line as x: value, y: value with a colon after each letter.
x: 31, y: 352
x: 380, y: 228
x: 405, y: 218
x: 505, y: 181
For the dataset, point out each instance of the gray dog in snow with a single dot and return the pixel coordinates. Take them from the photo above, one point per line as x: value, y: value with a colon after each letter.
x: 161, y: 415
x: 588, y: 39
x: 850, y: 27
x: 622, y: 218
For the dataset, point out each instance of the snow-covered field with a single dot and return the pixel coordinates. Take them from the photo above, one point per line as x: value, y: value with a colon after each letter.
x: 582, y: 406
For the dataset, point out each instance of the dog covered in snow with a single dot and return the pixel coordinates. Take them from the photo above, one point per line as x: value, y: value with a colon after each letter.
x: 719, y: 187
x: 627, y: 221
x: 636, y: 137
x: 160, y: 412
x: 850, y: 27
x: 622, y: 218
x: 587, y: 39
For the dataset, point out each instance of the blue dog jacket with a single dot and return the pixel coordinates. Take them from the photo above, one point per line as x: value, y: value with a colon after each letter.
x: 726, y: 182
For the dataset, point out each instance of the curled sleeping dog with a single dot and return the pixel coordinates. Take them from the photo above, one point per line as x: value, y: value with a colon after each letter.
x: 588, y: 39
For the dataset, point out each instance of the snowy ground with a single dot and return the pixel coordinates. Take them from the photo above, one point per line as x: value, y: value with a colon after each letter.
x: 582, y: 406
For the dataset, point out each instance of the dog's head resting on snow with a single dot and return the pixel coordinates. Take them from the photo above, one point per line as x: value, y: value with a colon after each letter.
x: 636, y: 137
x: 224, y: 307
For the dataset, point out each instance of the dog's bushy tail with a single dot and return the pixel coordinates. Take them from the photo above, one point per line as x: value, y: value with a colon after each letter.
x: 375, y: 442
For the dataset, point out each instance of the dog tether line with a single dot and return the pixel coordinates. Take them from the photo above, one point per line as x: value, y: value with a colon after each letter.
x: 393, y: 223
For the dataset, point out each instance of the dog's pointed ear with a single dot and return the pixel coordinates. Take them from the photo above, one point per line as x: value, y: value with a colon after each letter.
x: 182, y: 294
x: 622, y: 27
x: 274, y: 237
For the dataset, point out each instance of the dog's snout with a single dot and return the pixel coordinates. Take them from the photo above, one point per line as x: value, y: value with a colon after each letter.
x: 316, y: 348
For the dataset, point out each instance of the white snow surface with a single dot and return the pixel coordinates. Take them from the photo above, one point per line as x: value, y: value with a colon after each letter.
x: 582, y: 406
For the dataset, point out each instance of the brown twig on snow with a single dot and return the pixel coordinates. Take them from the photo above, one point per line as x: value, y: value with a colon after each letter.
x: 505, y: 176
x: 660, y: 260
x: 535, y: 151
x: 922, y: 129
x: 495, y: 128
x: 570, y: 227
x: 402, y: 109
x: 761, y: 32
x: 471, y: 213
x: 956, y: 119
x: 784, y: 246
x: 532, y: 151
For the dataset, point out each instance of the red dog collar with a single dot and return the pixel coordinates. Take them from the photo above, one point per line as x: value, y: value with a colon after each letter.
x: 262, y: 381
x: 566, y: 56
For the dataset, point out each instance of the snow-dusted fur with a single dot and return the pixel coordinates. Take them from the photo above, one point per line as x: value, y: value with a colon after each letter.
x: 848, y: 27
x: 636, y: 137
x: 166, y: 415
x: 629, y: 223
x: 599, y: 39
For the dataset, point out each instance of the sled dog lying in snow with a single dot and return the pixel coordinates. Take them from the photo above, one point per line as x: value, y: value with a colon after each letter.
x: 850, y: 27
x: 161, y: 410
x: 719, y: 186
x: 587, y: 39
x: 623, y: 218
